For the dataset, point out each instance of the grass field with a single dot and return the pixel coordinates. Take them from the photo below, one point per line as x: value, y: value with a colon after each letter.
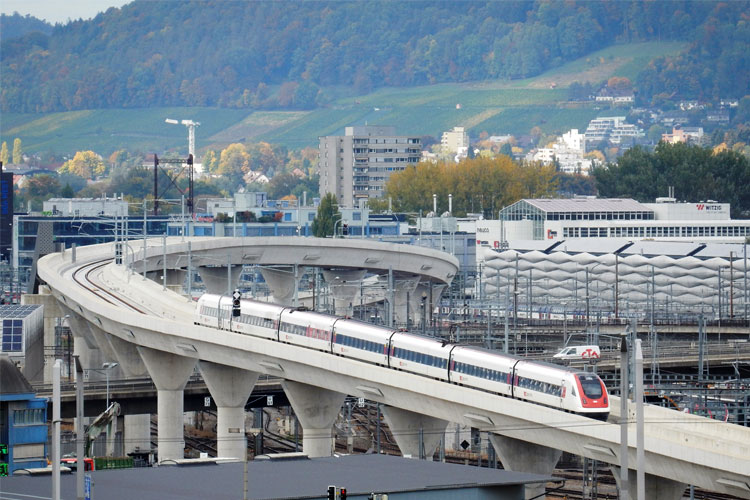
x: 497, y: 107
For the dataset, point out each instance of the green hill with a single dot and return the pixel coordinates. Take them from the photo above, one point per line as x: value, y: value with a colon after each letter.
x: 498, y: 106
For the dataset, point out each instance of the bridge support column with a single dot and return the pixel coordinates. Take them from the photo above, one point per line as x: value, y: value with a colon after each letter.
x: 137, y: 433
x: 403, y: 286
x: 520, y: 456
x: 656, y: 487
x: 128, y: 357
x: 215, y: 278
x: 102, y: 341
x: 316, y: 410
x: 345, y: 286
x: 176, y: 279
x: 230, y: 387
x: 170, y: 373
x: 417, y: 435
x: 282, y: 283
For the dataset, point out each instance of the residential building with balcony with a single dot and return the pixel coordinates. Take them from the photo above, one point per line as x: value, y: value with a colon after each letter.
x: 356, y: 166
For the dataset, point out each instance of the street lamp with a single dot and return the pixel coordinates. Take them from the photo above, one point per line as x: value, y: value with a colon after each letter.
x: 107, y: 367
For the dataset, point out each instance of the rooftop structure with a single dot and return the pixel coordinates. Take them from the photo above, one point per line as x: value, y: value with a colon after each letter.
x: 86, y: 207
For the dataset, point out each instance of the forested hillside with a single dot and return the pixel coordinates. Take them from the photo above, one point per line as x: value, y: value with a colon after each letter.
x: 16, y: 25
x: 257, y: 55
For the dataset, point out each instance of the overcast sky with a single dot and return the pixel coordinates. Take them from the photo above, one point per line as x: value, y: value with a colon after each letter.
x: 59, y: 11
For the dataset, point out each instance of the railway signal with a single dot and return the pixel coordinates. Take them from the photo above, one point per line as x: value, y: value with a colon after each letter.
x: 236, y: 303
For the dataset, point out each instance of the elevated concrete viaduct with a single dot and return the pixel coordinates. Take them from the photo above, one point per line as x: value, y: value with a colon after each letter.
x: 680, y: 449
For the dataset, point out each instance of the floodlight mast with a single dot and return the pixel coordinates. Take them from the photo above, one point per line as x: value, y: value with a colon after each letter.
x: 190, y: 124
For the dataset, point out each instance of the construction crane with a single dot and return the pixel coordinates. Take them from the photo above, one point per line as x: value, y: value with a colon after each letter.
x: 190, y: 124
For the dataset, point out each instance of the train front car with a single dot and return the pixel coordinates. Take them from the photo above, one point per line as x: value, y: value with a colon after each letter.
x: 591, y: 396
x: 362, y: 341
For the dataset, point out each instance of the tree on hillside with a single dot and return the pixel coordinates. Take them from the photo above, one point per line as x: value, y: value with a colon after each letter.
x: 42, y: 186
x: 328, y: 214
x: 17, y: 151
x: 234, y: 162
x: 4, y: 154
x: 86, y: 164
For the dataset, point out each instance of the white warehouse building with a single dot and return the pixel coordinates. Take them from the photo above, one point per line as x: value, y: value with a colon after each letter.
x: 585, y: 218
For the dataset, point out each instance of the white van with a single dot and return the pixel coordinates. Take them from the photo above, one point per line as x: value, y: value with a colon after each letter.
x: 579, y: 352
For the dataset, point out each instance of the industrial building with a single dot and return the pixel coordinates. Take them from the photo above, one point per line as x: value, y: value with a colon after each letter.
x: 356, y: 166
x: 23, y: 422
x: 564, y: 219
x: 616, y: 278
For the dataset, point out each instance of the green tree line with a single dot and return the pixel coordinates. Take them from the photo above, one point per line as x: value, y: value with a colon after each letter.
x: 697, y: 174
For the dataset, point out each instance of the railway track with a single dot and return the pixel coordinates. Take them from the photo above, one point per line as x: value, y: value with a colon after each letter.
x: 84, y: 277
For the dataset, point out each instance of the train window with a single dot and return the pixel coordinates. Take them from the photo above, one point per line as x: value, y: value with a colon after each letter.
x: 591, y: 386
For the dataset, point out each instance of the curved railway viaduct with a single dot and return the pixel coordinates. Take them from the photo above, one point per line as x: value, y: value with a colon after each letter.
x: 149, y: 330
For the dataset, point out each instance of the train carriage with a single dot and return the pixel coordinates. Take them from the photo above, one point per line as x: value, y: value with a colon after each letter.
x: 486, y: 370
x: 363, y: 341
x: 207, y: 310
x: 306, y: 329
x: 260, y: 319
x: 540, y: 383
x: 421, y: 355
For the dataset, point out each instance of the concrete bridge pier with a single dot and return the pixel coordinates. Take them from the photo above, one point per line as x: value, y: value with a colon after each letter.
x: 345, y: 285
x: 137, y: 433
x: 84, y: 345
x: 656, y: 487
x: 521, y: 456
x: 282, y: 283
x: 127, y: 356
x: 316, y: 410
x: 417, y: 435
x: 170, y: 373
x: 215, y: 278
x: 403, y: 288
x: 102, y: 343
x: 176, y: 279
x: 230, y: 387
x: 136, y: 428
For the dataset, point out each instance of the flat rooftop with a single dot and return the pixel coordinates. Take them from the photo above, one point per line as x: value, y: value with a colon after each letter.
x: 280, y: 479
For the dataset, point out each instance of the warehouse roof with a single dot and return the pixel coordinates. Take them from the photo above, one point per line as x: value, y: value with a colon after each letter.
x: 302, y: 478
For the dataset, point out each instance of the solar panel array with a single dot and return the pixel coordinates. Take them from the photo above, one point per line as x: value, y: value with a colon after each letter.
x: 17, y: 311
x: 12, y: 317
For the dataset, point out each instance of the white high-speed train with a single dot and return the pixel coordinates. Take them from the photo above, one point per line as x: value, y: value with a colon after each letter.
x: 542, y: 383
